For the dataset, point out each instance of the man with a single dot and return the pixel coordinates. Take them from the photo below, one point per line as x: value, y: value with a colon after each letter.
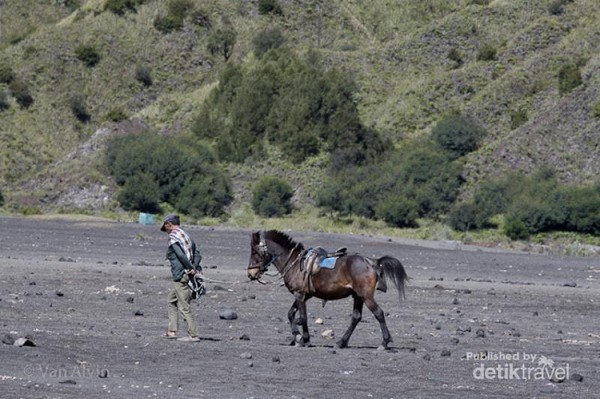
x: 185, y: 259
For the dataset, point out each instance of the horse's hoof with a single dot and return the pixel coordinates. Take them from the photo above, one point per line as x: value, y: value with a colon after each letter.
x: 341, y: 345
x: 382, y: 348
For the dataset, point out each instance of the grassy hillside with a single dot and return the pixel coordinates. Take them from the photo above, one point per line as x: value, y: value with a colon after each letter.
x: 397, y: 52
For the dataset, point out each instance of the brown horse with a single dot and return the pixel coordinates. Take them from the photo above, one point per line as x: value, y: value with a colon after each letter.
x: 353, y: 274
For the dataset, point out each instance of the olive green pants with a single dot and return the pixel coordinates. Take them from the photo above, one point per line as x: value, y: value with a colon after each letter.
x: 179, y: 302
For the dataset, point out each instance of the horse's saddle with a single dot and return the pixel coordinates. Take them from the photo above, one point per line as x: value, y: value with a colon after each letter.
x: 318, y: 258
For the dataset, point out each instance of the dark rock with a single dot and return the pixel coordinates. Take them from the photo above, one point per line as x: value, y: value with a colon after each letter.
x: 480, y: 333
x: 63, y: 259
x: 8, y: 339
x: 455, y: 301
x: 245, y: 337
x: 455, y: 341
x: 576, y: 377
x: 445, y: 353
x: 59, y: 293
x: 103, y: 373
x: 228, y: 314
x: 463, y: 330
x: 138, y: 313
x: 427, y: 357
x: 71, y: 382
x: 571, y: 284
x: 32, y: 283
x: 276, y: 359
x: 130, y: 299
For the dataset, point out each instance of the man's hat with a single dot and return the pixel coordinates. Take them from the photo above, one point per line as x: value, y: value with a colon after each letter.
x: 172, y: 218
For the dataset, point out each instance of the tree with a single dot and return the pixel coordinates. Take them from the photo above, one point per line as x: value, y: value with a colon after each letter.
x: 88, y: 55
x: 271, y: 197
x: 458, y: 135
x: 222, y: 42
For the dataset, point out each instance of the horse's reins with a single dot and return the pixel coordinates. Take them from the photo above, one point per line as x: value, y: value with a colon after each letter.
x: 264, y: 267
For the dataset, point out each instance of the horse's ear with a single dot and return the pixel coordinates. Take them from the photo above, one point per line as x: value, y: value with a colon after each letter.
x: 256, y: 237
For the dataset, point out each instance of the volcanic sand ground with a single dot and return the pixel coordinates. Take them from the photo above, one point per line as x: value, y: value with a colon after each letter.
x: 74, y: 288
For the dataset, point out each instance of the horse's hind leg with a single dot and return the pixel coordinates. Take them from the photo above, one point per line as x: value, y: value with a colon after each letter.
x: 378, y: 313
x: 356, y: 317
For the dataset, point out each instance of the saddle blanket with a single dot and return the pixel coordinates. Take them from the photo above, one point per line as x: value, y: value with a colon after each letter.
x: 327, y: 263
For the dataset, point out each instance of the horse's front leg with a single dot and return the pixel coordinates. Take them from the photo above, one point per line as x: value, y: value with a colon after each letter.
x: 292, y: 320
x: 304, y: 322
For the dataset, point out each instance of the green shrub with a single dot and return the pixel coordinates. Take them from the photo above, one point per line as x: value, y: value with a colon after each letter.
x: 180, y: 8
x: 1, y: 199
x: 457, y: 135
x: 87, y: 54
x: 266, y: 40
x: 143, y: 74
x: 177, y: 10
x: 70, y: 4
x: 205, y: 195
x: 398, y: 212
x: 293, y: 102
x: 202, y: 19
x: 78, y: 108
x: 419, y: 177
x: 518, y: 118
x: 556, y: 7
x: 569, y: 77
x: 140, y: 193
x: 269, y: 7
x: 454, y: 55
x: 167, y: 23
x: 20, y: 91
x: 7, y: 74
x: 221, y: 42
x: 116, y: 115
x: 271, y: 197
x: 596, y: 110
x: 184, y: 171
x: 486, y: 53
x: 582, y: 205
x: 4, y: 104
x: 464, y: 217
x: 515, y: 229
x: 120, y: 7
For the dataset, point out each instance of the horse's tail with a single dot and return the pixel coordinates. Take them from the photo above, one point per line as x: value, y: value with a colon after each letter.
x: 393, y: 269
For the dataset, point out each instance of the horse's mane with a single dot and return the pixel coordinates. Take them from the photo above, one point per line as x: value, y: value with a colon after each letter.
x: 282, y: 239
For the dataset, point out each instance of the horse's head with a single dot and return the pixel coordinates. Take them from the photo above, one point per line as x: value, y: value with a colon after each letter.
x: 260, y: 258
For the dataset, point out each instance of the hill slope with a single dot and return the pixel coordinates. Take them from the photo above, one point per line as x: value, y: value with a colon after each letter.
x: 398, y: 53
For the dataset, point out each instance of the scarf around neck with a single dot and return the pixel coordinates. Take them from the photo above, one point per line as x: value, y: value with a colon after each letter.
x: 178, y: 236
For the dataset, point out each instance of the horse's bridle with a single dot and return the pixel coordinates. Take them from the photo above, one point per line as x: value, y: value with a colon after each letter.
x: 263, y: 251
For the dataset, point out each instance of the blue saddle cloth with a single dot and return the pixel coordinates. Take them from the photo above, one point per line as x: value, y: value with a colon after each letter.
x: 327, y: 263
